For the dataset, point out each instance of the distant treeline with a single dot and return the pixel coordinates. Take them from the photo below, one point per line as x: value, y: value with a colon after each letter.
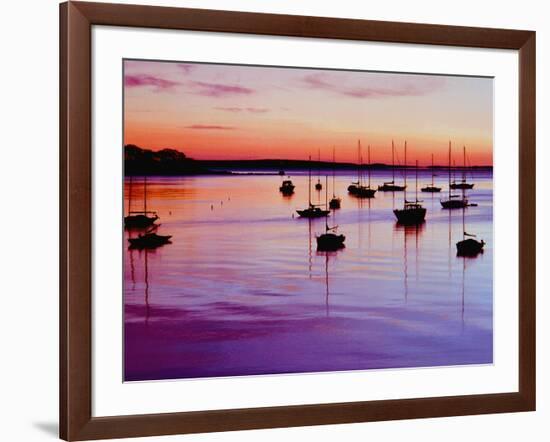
x: 139, y: 161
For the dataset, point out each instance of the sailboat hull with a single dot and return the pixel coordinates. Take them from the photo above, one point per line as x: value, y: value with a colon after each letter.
x: 431, y: 189
x: 149, y: 241
x: 334, y: 203
x: 391, y: 188
x: 410, y: 216
x: 313, y: 213
x: 454, y: 204
x: 469, y: 247
x: 461, y: 186
x: 139, y: 221
x: 330, y: 242
x: 364, y: 192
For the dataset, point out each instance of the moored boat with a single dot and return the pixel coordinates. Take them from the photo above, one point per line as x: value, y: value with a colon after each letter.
x: 329, y: 241
x: 412, y: 213
x: 390, y: 186
x: 312, y: 211
x: 287, y: 187
x: 453, y: 201
x: 431, y: 188
x: 139, y: 219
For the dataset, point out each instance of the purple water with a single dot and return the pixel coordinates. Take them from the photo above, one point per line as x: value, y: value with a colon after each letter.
x: 242, y: 290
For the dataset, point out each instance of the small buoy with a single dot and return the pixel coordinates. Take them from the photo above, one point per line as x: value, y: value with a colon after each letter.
x: 211, y: 206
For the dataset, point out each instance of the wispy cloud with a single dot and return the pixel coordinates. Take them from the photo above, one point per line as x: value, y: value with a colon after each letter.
x: 421, y: 86
x: 158, y: 83
x: 254, y: 110
x: 209, y: 127
x: 219, y: 89
x: 186, y: 68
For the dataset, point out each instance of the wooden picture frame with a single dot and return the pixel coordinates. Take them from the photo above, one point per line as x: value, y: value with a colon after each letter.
x: 76, y: 21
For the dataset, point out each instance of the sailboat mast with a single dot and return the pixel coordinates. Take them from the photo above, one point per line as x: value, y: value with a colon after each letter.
x: 463, y: 219
x: 130, y: 194
x: 432, y: 169
x: 405, y: 174
x: 392, y: 162
x: 309, y: 182
x: 368, y: 154
x: 326, y: 202
x: 319, y: 165
x: 416, y: 183
x: 333, y: 171
x: 449, y: 169
x: 145, y: 195
x: 360, y: 173
x: 464, y: 167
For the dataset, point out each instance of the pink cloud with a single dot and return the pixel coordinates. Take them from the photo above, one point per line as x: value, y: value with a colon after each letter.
x: 229, y: 109
x: 421, y: 86
x: 149, y: 80
x: 220, y: 90
x: 186, y: 68
x: 209, y: 127
x: 255, y: 110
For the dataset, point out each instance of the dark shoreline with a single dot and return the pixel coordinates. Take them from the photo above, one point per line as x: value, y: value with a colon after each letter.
x: 170, y: 162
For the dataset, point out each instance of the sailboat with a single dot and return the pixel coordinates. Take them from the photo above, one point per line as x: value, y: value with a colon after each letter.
x: 287, y: 188
x: 454, y: 201
x: 312, y: 210
x: 431, y: 187
x: 364, y: 191
x: 318, y: 185
x: 462, y: 184
x: 469, y: 246
x: 140, y: 218
x: 390, y: 186
x: 149, y: 240
x: 352, y: 188
x: 335, y: 202
x: 357, y: 188
x: 329, y: 241
x: 412, y: 213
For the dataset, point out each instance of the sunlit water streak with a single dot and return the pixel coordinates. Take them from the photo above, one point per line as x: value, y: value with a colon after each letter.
x: 241, y: 290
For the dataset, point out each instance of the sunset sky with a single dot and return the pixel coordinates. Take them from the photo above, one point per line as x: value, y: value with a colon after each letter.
x: 213, y: 111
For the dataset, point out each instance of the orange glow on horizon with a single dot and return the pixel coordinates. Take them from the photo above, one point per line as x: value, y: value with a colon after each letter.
x: 251, y: 116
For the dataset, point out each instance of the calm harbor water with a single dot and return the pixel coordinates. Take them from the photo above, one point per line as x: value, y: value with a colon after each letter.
x: 242, y: 290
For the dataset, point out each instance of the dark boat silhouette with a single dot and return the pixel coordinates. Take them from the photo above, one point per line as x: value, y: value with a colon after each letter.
x: 453, y: 201
x: 390, y: 186
x: 149, y: 240
x: 335, y: 202
x: 412, y: 213
x: 281, y: 172
x: 139, y: 219
x: 312, y: 210
x: 469, y: 246
x: 352, y: 188
x: 287, y: 188
x: 318, y: 185
x: 431, y: 188
x: 462, y: 184
x: 357, y: 188
x: 329, y: 241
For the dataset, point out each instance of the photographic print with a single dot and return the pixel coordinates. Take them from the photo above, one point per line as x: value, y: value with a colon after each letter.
x: 284, y: 220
